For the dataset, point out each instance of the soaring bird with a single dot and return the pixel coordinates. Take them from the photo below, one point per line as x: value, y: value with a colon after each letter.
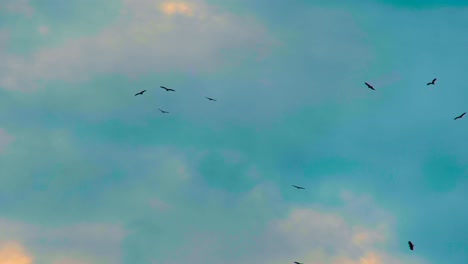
x: 162, y: 111
x: 167, y: 89
x: 211, y: 99
x: 460, y: 116
x: 369, y: 86
x: 411, y: 246
x: 298, y: 187
x: 433, y: 82
x: 140, y: 93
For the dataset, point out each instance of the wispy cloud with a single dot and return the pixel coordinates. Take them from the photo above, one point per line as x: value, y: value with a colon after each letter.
x: 17, y: 7
x: 145, y: 40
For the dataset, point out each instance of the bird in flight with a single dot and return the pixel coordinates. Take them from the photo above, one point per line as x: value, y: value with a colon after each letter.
x: 460, y: 116
x: 162, y: 111
x: 167, y: 89
x: 140, y: 93
x: 369, y: 86
x: 298, y: 262
x: 411, y: 246
x: 298, y: 187
x: 211, y: 99
x: 433, y: 82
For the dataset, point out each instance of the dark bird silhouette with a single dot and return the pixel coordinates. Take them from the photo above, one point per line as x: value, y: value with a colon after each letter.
x: 369, y: 86
x: 167, y: 89
x: 460, y: 116
x: 433, y: 82
x: 162, y: 111
x: 298, y: 187
x: 211, y: 99
x: 411, y: 246
x: 140, y: 93
x: 298, y: 262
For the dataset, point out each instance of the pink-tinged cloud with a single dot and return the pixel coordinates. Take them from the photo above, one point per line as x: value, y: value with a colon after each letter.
x: 5, y: 139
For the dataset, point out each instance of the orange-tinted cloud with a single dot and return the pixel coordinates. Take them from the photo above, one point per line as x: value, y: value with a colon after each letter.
x: 14, y: 253
x: 172, y: 8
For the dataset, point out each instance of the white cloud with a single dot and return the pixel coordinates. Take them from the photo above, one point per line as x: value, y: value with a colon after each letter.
x: 88, y: 242
x: 317, y: 235
x: 151, y: 36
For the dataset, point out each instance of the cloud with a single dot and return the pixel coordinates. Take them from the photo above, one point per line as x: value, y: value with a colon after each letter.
x: 313, y: 233
x: 5, y: 139
x: 14, y: 253
x: 146, y: 39
x: 171, y: 8
x: 90, y: 242
x: 17, y: 7
x: 43, y: 30
x: 317, y: 235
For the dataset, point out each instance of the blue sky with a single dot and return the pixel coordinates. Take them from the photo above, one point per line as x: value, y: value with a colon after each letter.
x: 91, y: 174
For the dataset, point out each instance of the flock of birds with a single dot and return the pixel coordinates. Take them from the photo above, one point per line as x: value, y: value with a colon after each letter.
x: 429, y: 83
x: 168, y: 90
x: 411, y: 245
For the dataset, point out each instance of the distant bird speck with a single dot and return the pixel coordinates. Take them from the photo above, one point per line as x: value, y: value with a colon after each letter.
x: 140, y: 93
x: 460, y: 116
x: 167, y: 89
x: 298, y: 262
x: 433, y: 82
x: 369, y: 86
x: 211, y: 99
x: 162, y: 111
x: 298, y: 187
x: 411, y: 246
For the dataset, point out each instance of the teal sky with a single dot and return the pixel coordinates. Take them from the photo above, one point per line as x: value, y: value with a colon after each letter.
x: 91, y: 174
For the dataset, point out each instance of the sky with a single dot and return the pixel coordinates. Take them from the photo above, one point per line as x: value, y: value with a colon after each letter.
x: 91, y: 174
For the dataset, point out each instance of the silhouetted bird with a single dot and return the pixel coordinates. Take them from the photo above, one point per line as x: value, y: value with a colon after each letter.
x: 298, y: 187
x: 370, y: 86
x: 298, y: 262
x: 433, y: 82
x: 162, y: 111
x: 411, y: 246
x: 167, y: 89
x: 211, y: 99
x: 140, y: 93
x: 460, y: 116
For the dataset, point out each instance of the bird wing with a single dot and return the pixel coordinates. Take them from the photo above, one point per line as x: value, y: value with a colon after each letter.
x: 435, y: 79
